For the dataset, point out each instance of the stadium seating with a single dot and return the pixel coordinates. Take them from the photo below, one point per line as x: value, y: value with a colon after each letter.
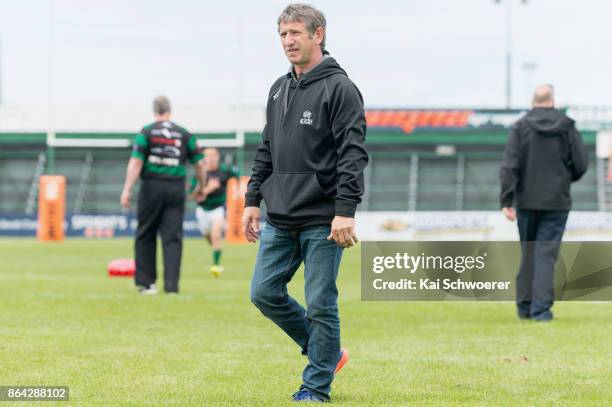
x: 17, y: 171
x: 408, y: 120
x: 400, y: 176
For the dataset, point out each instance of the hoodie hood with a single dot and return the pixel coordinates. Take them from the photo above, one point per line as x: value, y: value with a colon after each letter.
x: 327, y: 67
x: 548, y: 121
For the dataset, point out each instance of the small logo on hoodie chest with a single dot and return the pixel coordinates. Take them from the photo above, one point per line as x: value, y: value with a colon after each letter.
x: 306, y: 119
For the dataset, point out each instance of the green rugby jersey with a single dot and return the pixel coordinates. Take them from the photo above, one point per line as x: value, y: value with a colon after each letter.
x: 165, y: 147
x: 218, y: 196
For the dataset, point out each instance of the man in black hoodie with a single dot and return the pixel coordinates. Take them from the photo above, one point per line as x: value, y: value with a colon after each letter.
x: 543, y: 156
x: 309, y: 171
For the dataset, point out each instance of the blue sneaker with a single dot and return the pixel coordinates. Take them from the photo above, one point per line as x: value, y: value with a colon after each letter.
x: 306, y: 396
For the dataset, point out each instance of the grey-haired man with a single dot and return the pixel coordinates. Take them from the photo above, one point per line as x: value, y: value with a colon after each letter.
x: 309, y: 171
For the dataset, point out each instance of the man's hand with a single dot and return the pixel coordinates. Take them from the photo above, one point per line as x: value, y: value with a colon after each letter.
x: 125, y: 198
x: 134, y: 168
x: 610, y: 172
x: 510, y: 214
x: 213, y: 184
x: 250, y: 223
x: 199, y: 195
x: 343, y: 231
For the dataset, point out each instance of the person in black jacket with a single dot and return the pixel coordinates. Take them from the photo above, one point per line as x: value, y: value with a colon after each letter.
x: 543, y: 156
x: 309, y: 171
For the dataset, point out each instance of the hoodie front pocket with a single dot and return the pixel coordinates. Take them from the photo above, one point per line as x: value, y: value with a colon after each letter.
x: 296, y: 195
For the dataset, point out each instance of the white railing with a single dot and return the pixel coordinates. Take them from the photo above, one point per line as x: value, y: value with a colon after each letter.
x: 33, y: 194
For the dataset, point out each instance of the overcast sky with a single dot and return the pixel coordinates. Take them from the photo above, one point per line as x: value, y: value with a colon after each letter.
x: 408, y: 53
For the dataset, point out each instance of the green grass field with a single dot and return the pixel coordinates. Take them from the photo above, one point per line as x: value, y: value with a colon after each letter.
x: 63, y: 321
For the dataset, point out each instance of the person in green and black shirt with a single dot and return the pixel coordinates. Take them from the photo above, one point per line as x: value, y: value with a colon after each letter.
x: 159, y: 155
x: 210, y: 212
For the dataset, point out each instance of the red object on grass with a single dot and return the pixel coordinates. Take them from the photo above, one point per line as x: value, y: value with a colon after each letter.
x: 344, y: 357
x: 122, y: 268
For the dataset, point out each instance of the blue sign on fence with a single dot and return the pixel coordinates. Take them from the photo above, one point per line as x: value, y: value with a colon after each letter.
x: 82, y: 225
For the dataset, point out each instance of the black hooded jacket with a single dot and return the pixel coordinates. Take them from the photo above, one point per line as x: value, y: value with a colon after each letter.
x: 309, y: 165
x: 544, y: 155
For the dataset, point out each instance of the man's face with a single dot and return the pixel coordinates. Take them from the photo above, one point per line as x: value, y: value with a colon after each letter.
x: 297, y: 43
x: 211, y: 159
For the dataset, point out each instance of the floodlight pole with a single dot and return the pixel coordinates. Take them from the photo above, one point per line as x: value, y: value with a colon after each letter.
x: 509, y: 51
x: 508, y: 54
x: 239, y: 159
x: 50, y: 124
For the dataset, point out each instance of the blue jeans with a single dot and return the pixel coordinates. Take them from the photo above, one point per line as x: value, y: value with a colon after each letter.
x: 541, y: 233
x: 315, y: 329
